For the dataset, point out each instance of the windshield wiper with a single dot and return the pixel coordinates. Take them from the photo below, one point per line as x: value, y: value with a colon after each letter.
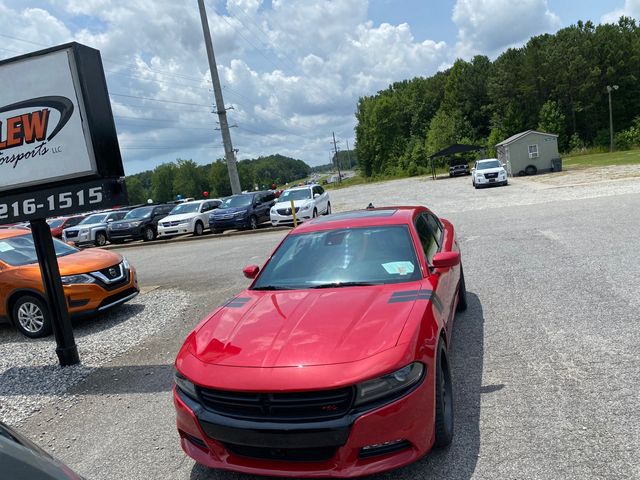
x: 345, y: 284
x: 271, y: 287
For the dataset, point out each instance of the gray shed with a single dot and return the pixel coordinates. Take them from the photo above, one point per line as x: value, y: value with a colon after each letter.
x: 527, y: 149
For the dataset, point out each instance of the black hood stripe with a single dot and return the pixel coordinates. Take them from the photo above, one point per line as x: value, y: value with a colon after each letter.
x: 61, y: 104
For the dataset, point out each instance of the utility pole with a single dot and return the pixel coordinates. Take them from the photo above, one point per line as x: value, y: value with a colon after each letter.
x: 348, y: 153
x: 609, y: 90
x: 220, y: 107
x: 335, y: 148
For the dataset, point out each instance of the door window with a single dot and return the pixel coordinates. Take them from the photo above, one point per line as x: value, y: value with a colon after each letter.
x: 427, y: 239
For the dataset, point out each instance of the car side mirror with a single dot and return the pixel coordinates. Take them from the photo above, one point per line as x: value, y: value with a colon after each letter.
x: 446, y: 259
x: 316, y: 195
x: 109, y: 220
x: 504, y: 165
x: 251, y: 271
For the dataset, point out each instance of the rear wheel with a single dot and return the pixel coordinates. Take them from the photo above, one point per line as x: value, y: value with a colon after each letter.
x: 198, y: 229
x: 31, y: 316
x: 101, y: 239
x: 462, y: 293
x: 444, y: 399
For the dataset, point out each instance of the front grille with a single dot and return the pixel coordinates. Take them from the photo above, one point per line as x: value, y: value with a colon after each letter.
x: 317, y: 454
x: 117, y: 296
x: 384, y: 449
x: 286, y: 211
x: 491, y: 175
x: 224, y: 217
x: 120, y: 226
x: 171, y: 224
x: 71, y: 234
x: 113, y: 277
x: 279, y: 407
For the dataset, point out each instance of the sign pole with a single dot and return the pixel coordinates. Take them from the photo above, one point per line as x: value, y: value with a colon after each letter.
x: 66, y: 349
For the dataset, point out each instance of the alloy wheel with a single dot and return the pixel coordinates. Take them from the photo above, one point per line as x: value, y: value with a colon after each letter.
x: 30, y: 317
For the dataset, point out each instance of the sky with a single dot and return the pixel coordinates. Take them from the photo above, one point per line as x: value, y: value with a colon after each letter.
x: 292, y: 70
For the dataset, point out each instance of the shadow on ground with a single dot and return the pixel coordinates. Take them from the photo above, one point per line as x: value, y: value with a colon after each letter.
x: 458, y: 462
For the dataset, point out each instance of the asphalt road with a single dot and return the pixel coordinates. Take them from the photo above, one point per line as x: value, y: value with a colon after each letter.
x: 546, y: 358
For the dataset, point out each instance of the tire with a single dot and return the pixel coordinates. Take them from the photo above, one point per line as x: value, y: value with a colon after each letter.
x: 462, y: 293
x: 444, y: 399
x: 531, y: 170
x: 148, y: 234
x: 315, y: 213
x: 101, y: 239
x: 328, y: 212
x: 476, y: 186
x: 198, y: 229
x: 253, y: 222
x: 31, y: 316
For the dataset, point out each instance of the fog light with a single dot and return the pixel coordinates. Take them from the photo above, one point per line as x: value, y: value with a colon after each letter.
x: 384, y: 448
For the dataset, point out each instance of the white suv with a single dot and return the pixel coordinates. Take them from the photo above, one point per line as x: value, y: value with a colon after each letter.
x: 309, y: 202
x: 188, y: 217
x: 488, y: 172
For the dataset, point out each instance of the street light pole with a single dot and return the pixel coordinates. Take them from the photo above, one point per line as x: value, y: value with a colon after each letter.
x: 610, y: 88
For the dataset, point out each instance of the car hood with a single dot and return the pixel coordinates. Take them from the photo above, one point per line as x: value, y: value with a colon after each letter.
x: 86, y: 226
x: 303, y: 327
x: 218, y: 212
x: 179, y: 217
x: 491, y: 170
x: 297, y: 203
x: 84, y: 261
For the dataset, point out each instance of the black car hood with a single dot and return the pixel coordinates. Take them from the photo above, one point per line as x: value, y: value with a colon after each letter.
x: 219, y: 212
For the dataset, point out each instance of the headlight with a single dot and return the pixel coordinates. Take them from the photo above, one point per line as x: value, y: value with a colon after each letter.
x: 240, y: 213
x: 135, y: 224
x: 185, y: 385
x: 389, y: 384
x: 125, y: 263
x: 211, y: 218
x: 184, y: 222
x: 306, y: 206
x: 77, y: 279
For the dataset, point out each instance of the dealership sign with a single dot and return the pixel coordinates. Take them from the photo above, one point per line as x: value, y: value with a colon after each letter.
x: 57, y: 135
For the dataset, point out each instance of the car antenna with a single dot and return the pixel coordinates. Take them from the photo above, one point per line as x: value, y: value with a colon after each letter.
x: 370, y: 206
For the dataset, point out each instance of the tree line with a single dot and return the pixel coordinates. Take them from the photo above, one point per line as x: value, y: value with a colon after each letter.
x: 555, y: 83
x: 188, y: 179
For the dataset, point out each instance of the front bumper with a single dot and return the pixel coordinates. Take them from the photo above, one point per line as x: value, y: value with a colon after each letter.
x: 228, y: 223
x: 481, y: 181
x: 230, y: 444
x: 135, y: 233
x: 301, y: 216
x: 89, y: 299
x: 80, y: 238
x: 180, y: 229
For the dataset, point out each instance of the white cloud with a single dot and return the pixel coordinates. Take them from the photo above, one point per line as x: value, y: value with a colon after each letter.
x: 292, y: 70
x: 489, y: 26
x: 631, y: 8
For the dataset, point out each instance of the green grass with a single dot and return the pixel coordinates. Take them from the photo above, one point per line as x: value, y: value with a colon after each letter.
x: 628, y: 157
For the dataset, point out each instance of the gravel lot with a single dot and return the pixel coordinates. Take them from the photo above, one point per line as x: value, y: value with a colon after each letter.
x: 546, y: 359
x: 30, y: 377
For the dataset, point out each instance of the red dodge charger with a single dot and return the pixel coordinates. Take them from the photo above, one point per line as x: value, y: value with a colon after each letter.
x: 335, y: 361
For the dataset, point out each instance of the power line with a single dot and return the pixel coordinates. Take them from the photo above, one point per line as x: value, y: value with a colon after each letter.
x: 160, y: 100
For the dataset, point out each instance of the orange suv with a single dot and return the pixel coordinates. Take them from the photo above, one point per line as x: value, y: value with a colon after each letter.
x: 93, y: 280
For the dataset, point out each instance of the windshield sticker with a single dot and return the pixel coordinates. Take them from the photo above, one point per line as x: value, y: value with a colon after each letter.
x: 5, y: 247
x: 398, y: 268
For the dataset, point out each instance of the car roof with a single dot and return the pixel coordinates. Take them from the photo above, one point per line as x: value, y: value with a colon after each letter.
x: 487, y: 160
x: 12, y: 232
x: 402, y: 215
x: 302, y: 187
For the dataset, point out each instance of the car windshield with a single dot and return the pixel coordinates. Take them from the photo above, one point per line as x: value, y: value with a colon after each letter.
x: 20, y: 250
x: 185, y: 208
x: 236, y: 201
x: 342, y: 257
x: 139, y: 213
x: 56, y: 223
x: 289, y: 195
x: 100, y: 218
x: 486, y: 165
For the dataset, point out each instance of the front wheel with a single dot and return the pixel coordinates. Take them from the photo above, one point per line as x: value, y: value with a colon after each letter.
x: 198, y: 229
x: 444, y: 398
x: 315, y: 213
x: 101, y: 239
x: 31, y: 316
x: 148, y: 234
x: 253, y: 223
x: 328, y: 212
